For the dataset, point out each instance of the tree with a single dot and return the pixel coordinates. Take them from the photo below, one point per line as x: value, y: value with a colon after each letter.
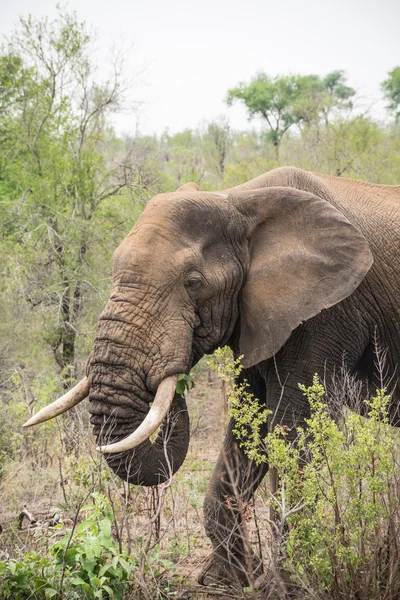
x: 217, y: 140
x: 56, y: 172
x: 391, y: 91
x: 183, y: 158
x: 284, y: 101
x: 320, y: 98
x: 272, y: 98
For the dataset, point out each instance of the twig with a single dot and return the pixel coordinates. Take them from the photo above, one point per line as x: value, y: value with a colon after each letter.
x: 26, y: 514
x: 64, y: 562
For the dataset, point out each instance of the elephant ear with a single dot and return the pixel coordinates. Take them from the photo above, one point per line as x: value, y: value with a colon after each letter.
x: 188, y: 187
x: 304, y: 256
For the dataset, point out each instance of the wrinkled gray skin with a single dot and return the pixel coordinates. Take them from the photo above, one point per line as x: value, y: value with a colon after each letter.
x: 278, y: 268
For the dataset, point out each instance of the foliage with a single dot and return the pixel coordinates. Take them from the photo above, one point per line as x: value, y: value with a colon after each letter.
x: 85, y: 563
x: 56, y: 176
x: 391, y: 90
x: 337, y: 498
x: 18, y: 393
x: 28, y: 577
x: 321, y: 98
x: 217, y: 143
x: 272, y: 98
x: 286, y: 100
x: 70, y: 189
x: 224, y: 364
x: 84, y: 473
x: 350, y: 147
x: 246, y: 411
x: 347, y: 490
x: 184, y: 384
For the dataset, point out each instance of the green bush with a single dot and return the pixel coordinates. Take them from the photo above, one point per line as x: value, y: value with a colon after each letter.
x: 244, y: 408
x: 84, y: 564
x: 341, y: 508
x: 28, y: 577
x: 336, y: 512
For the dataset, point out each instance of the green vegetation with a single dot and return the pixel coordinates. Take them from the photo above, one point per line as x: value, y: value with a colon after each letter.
x: 302, y: 100
x: 113, y: 541
x: 59, y: 184
x: 341, y: 507
x: 391, y: 90
x: 85, y: 563
x: 246, y: 410
x: 336, y: 508
x: 185, y: 384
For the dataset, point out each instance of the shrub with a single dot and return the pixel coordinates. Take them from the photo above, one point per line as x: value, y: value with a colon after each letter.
x: 84, y: 564
x: 341, y: 508
x: 244, y: 408
x: 336, y: 512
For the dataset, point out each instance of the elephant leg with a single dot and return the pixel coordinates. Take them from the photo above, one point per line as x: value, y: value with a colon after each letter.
x: 318, y: 346
x: 232, y: 486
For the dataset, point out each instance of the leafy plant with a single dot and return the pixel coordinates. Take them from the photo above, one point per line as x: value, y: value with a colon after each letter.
x: 391, y: 90
x: 336, y: 509
x: 342, y: 541
x: 91, y: 557
x: 185, y: 384
x: 28, y: 577
x: 85, y: 563
x: 156, y: 565
x: 244, y: 408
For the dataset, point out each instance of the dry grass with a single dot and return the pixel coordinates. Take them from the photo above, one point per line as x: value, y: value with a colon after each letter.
x: 52, y: 479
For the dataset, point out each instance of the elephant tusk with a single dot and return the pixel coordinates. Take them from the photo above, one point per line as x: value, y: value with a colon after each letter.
x: 154, y: 418
x: 67, y: 401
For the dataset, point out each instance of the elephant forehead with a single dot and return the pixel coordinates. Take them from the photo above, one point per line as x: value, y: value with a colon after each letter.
x: 149, y: 248
x: 193, y: 213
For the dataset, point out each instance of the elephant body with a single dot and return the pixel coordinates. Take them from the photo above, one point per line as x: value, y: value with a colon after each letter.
x: 350, y: 330
x: 296, y: 271
x: 348, y: 333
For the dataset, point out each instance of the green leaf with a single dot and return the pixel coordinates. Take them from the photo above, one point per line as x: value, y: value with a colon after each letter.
x: 105, y: 527
x: 89, y: 566
x: 128, y: 566
x: 85, y: 525
x: 109, y: 591
x: 78, y: 581
x: 184, y: 383
x: 104, y: 569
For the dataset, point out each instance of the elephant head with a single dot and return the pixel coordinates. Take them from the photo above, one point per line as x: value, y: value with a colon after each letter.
x: 197, y: 271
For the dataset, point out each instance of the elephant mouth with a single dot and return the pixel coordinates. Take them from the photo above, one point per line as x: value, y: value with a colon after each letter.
x: 162, y: 402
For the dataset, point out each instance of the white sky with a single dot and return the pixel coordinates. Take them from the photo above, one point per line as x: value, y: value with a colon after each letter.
x: 193, y: 51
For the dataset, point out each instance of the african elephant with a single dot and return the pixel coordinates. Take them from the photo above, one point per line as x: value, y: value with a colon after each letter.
x: 292, y: 269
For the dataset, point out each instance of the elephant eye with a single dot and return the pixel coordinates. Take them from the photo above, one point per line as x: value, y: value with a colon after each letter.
x: 193, y: 282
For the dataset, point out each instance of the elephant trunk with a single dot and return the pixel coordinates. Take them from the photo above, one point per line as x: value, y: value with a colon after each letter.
x: 153, y: 420
x: 153, y: 461
x: 124, y: 378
